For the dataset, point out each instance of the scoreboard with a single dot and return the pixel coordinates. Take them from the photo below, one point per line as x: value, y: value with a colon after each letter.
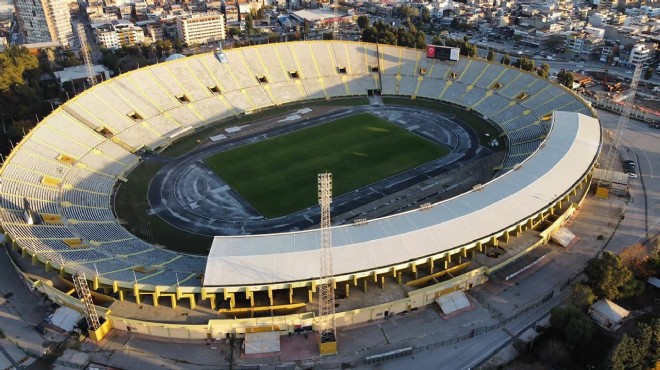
x: 442, y: 52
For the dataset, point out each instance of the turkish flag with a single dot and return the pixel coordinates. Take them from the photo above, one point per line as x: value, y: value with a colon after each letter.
x: 430, y: 51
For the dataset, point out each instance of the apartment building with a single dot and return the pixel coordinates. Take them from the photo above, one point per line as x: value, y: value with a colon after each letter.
x: 201, y: 28
x: 45, y: 21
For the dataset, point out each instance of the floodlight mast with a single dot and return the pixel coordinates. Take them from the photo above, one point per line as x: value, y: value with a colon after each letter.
x: 327, y: 329
x: 84, y: 52
x: 604, y: 185
x: 335, y: 22
x: 80, y: 282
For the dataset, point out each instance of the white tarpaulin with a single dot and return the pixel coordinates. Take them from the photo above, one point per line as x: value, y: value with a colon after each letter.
x: 267, y: 342
x: 452, y: 302
x: 563, y: 236
x: 65, y: 318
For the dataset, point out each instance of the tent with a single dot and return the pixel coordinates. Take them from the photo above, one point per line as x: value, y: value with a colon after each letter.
x: 608, y: 314
x: 452, y: 302
x: 266, y: 342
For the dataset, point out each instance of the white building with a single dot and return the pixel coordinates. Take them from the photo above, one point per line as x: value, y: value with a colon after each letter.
x: 119, y: 33
x: 45, y: 21
x: 640, y: 54
x: 202, y: 28
x: 107, y: 38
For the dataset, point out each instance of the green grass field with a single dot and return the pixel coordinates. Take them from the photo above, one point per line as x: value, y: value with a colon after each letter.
x: 278, y: 176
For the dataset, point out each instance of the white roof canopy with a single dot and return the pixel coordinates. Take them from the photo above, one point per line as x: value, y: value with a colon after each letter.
x: 567, y: 155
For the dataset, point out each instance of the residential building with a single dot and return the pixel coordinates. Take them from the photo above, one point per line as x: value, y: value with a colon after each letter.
x: 201, y: 28
x: 640, y: 54
x: 45, y: 21
x: 119, y: 33
x: 107, y: 38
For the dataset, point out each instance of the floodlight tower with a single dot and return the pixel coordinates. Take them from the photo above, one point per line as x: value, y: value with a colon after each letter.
x: 603, y: 189
x: 85, y: 296
x: 84, y: 52
x: 328, y: 339
x: 335, y: 24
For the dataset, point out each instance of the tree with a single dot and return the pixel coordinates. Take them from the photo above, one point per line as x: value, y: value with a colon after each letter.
x: 636, y: 259
x: 426, y: 16
x: 554, y: 41
x: 575, y: 326
x: 70, y: 60
x: 249, y: 24
x: 110, y: 60
x: 491, y: 55
x: 582, y: 296
x: 565, y: 78
x: 506, y: 60
x: 639, y: 352
x: 649, y: 73
x: 544, y: 71
x: 363, y: 22
x: 14, y: 63
x: 517, y: 38
x: 610, y: 279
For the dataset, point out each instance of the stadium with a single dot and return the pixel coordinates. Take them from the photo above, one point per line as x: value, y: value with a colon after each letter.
x: 57, y: 187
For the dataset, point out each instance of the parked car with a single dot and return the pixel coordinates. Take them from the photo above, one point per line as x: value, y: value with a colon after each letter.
x: 630, y: 168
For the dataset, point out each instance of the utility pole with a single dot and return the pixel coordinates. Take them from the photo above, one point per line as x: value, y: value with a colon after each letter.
x: 327, y: 330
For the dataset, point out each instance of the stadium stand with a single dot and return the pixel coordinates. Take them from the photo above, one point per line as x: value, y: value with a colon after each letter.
x: 68, y: 164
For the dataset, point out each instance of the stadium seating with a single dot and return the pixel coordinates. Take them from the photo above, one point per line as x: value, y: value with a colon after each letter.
x: 69, y: 164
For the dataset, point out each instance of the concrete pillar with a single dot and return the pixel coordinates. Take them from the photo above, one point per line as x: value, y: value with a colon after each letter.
x: 398, y: 278
x: 364, y: 285
x: 355, y: 280
x: 375, y: 277
x: 495, y: 241
x: 448, y: 257
x: 480, y: 246
x: 460, y: 259
x: 48, y: 266
x: 464, y: 250
x: 348, y: 289
x: 382, y: 282
x: 136, y: 293
x: 431, y: 265
x: 446, y: 264
x: 121, y: 295
x: 472, y: 257
x: 413, y: 268
x: 270, y: 295
x: 173, y: 299
x: 290, y: 294
x: 310, y: 296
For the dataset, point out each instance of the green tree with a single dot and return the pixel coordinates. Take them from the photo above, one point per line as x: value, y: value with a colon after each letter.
x: 610, y: 279
x: 491, y: 55
x: 110, y: 60
x: 544, y: 71
x: 426, y: 16
x: 575, y: 326
x: 554, y: 41
x: 640, y: 351
x: 582, y: 296
x: 70, y: 60
x: 649, y: 73
x: 565, y: 78
x: 506, y: 59
x: 249, y: 24
x: 363, y: 22
x: 14, y: 63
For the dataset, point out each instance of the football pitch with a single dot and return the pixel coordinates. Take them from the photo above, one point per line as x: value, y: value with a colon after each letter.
x: 278, y: 176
